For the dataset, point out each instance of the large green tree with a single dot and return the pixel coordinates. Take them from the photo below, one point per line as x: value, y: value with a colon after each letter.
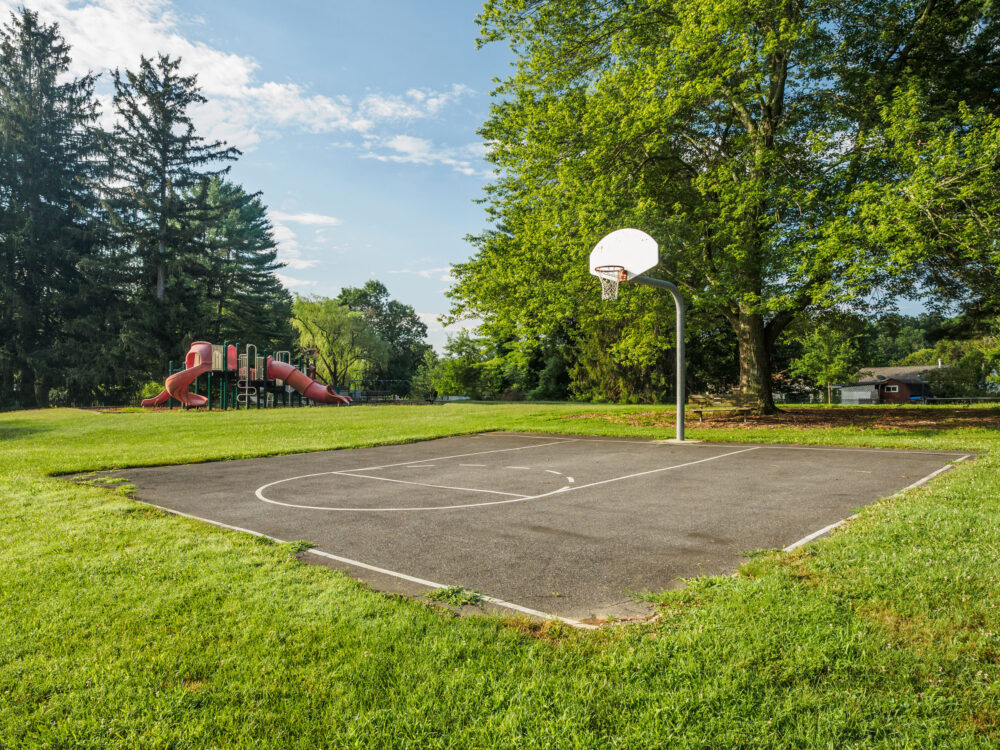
x: 397, y: 324
x: 750, y: 137
x: 50, y: 226
x: 160, y: 197
x: 342, y: 342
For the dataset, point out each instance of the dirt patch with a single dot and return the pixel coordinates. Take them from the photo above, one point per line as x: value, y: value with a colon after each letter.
x: 876, y: 418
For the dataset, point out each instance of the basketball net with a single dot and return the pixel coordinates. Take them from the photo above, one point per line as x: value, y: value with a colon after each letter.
x: 611, y: 277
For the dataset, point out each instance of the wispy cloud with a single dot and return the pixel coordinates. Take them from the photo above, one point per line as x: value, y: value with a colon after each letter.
x: 408, y: 149
x: 415, y: 104
x: 316, y: 220
x: 293, y: 283
x: 442, y: 273
x: 289, y: 249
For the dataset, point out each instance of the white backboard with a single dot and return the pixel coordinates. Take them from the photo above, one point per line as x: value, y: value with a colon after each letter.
x: 633, y: 249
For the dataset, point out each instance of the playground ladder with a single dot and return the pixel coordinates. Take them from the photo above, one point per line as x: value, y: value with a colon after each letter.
x: 246, y: 390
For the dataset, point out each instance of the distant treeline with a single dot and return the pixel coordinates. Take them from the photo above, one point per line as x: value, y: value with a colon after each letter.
x: 118, y: 246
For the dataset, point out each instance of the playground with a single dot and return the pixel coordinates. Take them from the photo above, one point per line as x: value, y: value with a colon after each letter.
x: 545, y: 525
x: 228, y: 379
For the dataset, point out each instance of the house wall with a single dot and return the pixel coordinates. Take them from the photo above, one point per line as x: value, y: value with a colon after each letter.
x: 859, y: 394
x: 901, y: 396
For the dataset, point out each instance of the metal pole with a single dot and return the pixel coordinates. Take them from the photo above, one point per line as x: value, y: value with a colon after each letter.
x: 679, y: 306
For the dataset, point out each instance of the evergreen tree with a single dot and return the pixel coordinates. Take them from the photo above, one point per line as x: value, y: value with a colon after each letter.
x: 160, y: 200
x: 248, y: 302
x: 49, y: 224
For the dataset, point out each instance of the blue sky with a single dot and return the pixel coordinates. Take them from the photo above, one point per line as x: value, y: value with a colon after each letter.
x: 357, y: 121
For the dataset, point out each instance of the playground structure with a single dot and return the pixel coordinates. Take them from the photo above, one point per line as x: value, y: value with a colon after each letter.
x: 221, y: 375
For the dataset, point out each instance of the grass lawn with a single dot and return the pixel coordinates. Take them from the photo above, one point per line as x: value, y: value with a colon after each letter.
x: 121, y: 626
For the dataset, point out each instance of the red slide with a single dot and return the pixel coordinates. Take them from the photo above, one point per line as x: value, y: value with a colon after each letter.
x: 312, y: 390
x: 197, y: 362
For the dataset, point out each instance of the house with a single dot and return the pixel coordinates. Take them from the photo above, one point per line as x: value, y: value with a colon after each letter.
x: 888, y: 385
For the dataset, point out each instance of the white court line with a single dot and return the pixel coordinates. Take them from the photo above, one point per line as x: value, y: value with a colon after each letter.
x: 551, y: 471
x: 522, y: 468
x: 384, y: 571
x: 260, y: 490
x: 772, y: 446
x: 438, y: 458
x: 920, y: 482
x: 431, y: 584
x: 904, y: 451
x: 474, y: 465
x: 349, y: 473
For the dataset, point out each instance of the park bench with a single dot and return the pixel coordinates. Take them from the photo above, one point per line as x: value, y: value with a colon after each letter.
x: 700, y: 405
x: 738, y: 410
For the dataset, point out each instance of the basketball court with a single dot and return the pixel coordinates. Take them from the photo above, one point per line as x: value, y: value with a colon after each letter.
x: 548, y: 525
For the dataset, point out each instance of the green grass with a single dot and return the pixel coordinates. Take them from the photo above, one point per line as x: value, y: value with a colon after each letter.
x: 121, y: 626
x: 457, y: 596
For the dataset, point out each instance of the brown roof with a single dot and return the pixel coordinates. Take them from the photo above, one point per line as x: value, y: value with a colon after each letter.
x: 911, y: 374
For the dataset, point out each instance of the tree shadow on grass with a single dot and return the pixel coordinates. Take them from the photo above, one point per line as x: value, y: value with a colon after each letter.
x: 22, y: 428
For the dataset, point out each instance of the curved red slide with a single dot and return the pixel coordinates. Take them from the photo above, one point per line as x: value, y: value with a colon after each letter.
x: 197, y: 362
x: 311, y: 389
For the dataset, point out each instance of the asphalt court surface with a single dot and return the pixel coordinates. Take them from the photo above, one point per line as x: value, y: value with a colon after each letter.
x: 560, y: 524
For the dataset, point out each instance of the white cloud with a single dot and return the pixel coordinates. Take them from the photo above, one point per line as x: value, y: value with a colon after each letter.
x: 408, y: 149
x: 415, y: 104
x: 316, y: 220
x: 289, y: 250
x: 108, y: 34
x: 293, y: 283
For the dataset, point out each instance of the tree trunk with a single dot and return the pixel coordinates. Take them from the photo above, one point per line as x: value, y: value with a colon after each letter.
x: 41, y: 392
x: 161, y: 271
x: 27, y: 387
x: 755, y: 363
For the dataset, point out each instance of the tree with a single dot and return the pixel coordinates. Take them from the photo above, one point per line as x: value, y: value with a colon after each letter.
x: 422, y: 382
x: 247, y: 301
x: 461, y: 371
x: 342, y: 341
x: 830, y: 354
x: 50, y: 225
x: 748, y: 137
x: 160, y: 200
x: 396, y: 324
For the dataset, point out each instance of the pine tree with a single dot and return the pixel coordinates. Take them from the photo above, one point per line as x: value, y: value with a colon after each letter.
x: 248, y: 302
x: 49, y: 224
x: 160, y: 200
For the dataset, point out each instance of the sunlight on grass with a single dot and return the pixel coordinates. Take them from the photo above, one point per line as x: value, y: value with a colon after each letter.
x: 121, y: 625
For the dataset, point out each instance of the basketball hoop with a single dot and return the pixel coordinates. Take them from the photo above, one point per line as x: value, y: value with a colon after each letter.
x: 611, y: 277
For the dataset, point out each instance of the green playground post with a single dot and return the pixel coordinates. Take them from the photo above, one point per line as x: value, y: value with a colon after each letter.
x: 225, y: 375
x: 236, y: 395
x: 266, y: 381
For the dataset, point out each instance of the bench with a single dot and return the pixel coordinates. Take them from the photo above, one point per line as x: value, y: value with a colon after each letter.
x: 740, y: 410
